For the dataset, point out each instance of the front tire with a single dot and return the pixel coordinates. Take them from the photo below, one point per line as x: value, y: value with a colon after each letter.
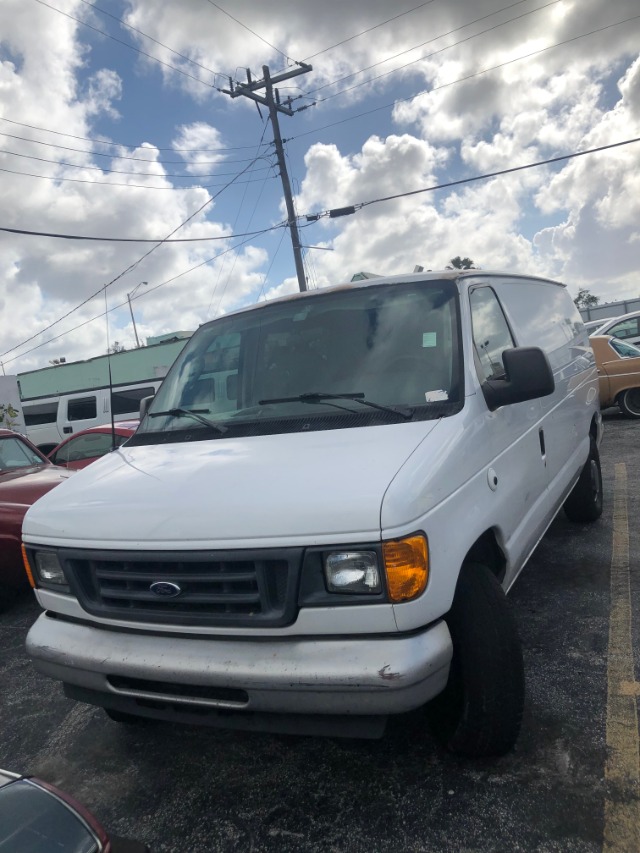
x: 585, y: 500
x: 629, y: 402
x: 479, y: 713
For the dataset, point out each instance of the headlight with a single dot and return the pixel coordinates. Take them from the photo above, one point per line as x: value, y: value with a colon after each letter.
x: 352, y: 572
x: 49, y: 572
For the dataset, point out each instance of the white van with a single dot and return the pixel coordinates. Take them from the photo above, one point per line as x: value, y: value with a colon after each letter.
x: 318, y: 519
x: 51, y: 419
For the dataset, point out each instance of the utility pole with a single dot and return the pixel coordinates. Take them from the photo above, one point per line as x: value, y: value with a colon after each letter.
x: 271, y: 100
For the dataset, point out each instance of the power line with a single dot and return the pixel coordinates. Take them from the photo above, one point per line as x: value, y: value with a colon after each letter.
x: 122, y: 304
x: 461, y: 79
x: 128, y: 269
x: 268, y: 43
x: 124, y: 172
x: 112, y: 156
x: 435, y: 52
x: 368, y: 30
x: 128, y: 144
x: 147, y: 36
x: 138, y: 239
x: 235, y: 223
x: 128, y: 45
x: 118, y: 184
x: 350, y: 209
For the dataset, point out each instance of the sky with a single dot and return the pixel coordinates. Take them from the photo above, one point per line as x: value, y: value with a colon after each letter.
x: 116, y: 123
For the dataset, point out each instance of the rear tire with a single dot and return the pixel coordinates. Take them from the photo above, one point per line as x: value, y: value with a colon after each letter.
x: 629, y: 402
x: 479, y: 713
x: 585, y: 500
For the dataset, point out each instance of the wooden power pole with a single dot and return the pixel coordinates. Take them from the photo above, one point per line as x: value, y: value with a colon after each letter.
x: 271, y: 100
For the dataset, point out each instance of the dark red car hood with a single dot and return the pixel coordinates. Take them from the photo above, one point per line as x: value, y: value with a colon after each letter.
x: 26, y: 485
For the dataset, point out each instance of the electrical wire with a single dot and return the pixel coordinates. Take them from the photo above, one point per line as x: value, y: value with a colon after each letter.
x: 132, y: 145
x: 141, y: 239
x: 461, y: 79
x: 118, y: 184
x: 123, y: 171
x: 162, y: 162
x: 268, y: 43
x: 348, y: 209
x: 128, y: 269
x: 155, y: 41
x: 439, y: 51
x: 364, y: 32
x: 273, y: 260
x: 128, y: 45
x: 235, y: 223
x: 122, y: 304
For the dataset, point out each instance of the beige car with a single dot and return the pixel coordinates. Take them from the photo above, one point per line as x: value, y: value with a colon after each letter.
x: 619, y: 373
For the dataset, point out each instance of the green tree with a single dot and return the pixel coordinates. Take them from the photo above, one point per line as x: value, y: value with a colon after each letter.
x: 584, y: 299
x: 459, y: 263
x: 8, y: 415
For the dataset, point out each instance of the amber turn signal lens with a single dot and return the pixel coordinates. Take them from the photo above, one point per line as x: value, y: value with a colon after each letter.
x: 406, y: 563
x: 27, y: 567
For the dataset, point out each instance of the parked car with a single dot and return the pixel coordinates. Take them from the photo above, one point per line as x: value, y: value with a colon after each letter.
x: 316, y: 524
x: 619, y: 373
x: 25, y: 475
x: 625, y: 327
x: 593, y: 325
x: 84, y: 447
x: 39, y: 818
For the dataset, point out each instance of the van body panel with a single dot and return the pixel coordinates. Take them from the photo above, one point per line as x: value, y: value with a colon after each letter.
x: 231, y: 493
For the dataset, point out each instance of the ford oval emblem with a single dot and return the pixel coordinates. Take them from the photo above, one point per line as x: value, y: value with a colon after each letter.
x: 165, y: 589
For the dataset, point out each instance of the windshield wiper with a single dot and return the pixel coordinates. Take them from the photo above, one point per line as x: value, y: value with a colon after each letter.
x: 357, y: 397
x: 191, y: 413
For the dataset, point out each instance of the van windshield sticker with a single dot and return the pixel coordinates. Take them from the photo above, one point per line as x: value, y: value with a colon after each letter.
x: 429, y: 339
x: 436, y: 396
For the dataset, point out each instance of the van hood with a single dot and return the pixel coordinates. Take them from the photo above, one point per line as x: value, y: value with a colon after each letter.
x: 300, y: 488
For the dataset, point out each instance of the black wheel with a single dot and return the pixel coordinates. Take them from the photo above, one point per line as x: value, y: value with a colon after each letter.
x: 629, y: 402
x: 585, y: 500
x: 480, y: 710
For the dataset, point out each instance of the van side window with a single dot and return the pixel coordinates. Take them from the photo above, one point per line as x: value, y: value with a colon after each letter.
x: 40, y: 413
x: 128, y: 401
x: 82, y: 409
x: 491, y: 333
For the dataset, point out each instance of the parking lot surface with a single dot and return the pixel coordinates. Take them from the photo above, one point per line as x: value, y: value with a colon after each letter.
x: 571, y: 784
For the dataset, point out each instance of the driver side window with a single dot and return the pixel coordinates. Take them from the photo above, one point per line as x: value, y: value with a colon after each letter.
x: 491, y: 333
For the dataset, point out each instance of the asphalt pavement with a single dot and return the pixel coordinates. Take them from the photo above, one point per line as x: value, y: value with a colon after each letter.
x: 571, y: 784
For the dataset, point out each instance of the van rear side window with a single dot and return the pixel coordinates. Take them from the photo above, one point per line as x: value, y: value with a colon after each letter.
x: 82, y: 409
x: 40, y: 413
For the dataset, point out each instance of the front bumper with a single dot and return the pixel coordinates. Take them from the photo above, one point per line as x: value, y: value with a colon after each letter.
x: 159, y: 676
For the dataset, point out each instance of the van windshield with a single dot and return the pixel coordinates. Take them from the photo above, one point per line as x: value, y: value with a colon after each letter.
x: 354, y: 357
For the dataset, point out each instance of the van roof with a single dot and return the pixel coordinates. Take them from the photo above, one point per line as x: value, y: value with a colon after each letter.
x: 378, y: 281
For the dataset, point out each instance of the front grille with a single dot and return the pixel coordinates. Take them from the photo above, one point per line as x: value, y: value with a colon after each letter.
x: 188, y: 588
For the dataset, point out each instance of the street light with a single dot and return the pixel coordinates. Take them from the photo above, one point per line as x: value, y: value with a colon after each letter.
x: 133, y: 319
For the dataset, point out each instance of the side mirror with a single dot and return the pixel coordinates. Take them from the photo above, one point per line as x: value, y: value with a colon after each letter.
x: 528, y: 377
x: 144, y: 405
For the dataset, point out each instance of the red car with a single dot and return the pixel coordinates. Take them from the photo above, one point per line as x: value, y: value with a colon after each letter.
x: 25, y: 475
x: 38, y: 817
x: 84, y: 447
